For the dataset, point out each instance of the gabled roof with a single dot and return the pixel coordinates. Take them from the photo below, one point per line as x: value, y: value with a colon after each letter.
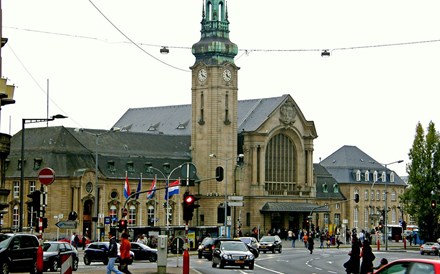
x: 346, y: 161
x: 176, y: 120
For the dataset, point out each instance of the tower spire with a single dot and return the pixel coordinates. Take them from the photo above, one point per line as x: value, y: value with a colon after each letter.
x: 214, y: 46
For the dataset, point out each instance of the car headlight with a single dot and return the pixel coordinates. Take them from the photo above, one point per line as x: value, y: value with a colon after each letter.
x: 227, y: 256
x: 250, y: 257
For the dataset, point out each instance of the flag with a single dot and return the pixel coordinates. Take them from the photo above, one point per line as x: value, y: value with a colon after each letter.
x: 172, y: 189
x: 150, y: 194
x: 138, y: 188
x: 126, y: 187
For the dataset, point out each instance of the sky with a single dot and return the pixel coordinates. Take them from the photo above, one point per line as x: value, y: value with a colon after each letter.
x: 92, y: 60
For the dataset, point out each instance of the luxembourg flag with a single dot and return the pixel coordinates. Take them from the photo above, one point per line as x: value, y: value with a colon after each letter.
x: 173, y: 188
x: 126, y: 187
x: 152, y: 191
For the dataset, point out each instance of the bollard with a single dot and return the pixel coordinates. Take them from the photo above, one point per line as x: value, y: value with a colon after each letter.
x: 40, y: 259
x: 66, y: 264
x: 185, y: 262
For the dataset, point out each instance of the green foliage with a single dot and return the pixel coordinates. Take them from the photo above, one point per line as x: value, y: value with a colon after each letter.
x: 424, y: 181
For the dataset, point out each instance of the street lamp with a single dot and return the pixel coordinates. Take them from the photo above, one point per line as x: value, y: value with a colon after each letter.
x: 23, y: 123
x: 97, y: 135
x: 226, y: 186
x: 386, y: 205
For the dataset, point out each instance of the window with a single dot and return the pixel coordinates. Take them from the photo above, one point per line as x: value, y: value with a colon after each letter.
x: 393, y: 195
x: 366, y: 217
x: 358, y: 176
x: 355, y: 217
x: 337, y: 219
x: 326, y: 218
x: 37, y: 163
x: 281, y: 160
x: 378, y: 195
x: 111, y: 165
x: 375, y: 176
x: 151, y: 215
x: 366, y: 195
x: 132, y: 215
x: 130, y: 166
x: 372, y: 195
x: 367, y: 176
x: 16, y: 189
x: 324, y: 188
x: 384, y: 176
x: 338, y: 206
x: 393, y: 215
x: 392, y: 177
x: 32, y: 186
x: 383, y: 195
x: 15, y: 216
x: 335, y: 188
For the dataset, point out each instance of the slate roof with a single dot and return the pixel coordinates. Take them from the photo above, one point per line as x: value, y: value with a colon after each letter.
x: 344, y: 163
x: 292, y: 207
x: 176, y: 120
x: 323, y: 177
x: 70, y: 152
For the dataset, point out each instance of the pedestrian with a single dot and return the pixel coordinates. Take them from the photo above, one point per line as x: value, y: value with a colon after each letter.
x: 72, y: 239
x: 321, y: 239
x: 289, y: 234
x: 293, y: 239
x: 367, y: 258
x: 383, y: 262
x: 338, y: 241
x: 305, y: 239
x: 125, y: 253
x: 310, y: 243
x: 352, y: 265
x: 84, y: 240
x: 112, y: 254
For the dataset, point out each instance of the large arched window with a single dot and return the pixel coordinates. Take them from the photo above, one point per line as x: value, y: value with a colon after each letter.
x: 151, y: 215
x: 280, y: 160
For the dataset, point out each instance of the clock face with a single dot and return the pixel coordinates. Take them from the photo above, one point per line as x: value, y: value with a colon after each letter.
x: 89, y: 187
x: 202, y: 75
x: 227, y: 75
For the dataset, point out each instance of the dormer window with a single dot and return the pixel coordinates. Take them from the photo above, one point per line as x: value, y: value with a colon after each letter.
x: 37, y: 163
x: 148, y: 168
x: 367, y: 176
x: 324, y: 188
x: 358, y: 176
x: 111, y: 165
x: 7, y: 162
x: 335, y: 188
x: 375, y: 176
x: 130, y: 166
x: 21, y: 163
x: 384, y: 176
x: 153, y: 127
x: 392, y: 177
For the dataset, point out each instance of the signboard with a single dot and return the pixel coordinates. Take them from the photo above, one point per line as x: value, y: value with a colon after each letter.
x: 46, y: 176
x: 235, y: 203
x: 66, y: 224
x: 107, y: 220
x: 235, y: 198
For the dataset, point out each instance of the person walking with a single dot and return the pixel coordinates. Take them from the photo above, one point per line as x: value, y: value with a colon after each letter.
x: 352, y: 265
x: 310, y: 243
x: 112, y: 254
x: 125, y: 253
x: 367, y: 257
x: 293, y: 239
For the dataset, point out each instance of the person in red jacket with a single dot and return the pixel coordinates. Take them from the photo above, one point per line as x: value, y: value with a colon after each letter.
x: 125, y: 253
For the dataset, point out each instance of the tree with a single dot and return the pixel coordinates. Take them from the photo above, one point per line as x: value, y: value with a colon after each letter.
x: 424, y: 181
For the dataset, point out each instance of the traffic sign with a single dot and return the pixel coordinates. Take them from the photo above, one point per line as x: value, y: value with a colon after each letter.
x: 66, y: 224
x: 107, y: 220
x: 46, y: 176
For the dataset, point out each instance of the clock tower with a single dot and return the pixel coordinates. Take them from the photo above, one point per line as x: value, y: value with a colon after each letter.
x: 214, y: 98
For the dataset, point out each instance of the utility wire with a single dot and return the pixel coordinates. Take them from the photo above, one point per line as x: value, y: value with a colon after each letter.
x: 132, y: 42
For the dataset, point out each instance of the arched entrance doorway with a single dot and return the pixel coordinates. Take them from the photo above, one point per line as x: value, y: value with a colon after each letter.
x: 87, y: 218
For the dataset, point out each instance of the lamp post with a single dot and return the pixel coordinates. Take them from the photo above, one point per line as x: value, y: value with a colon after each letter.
x: 226, y: 186
x: 95, y: 211
x: 25, y: 121
x: 386, y: 205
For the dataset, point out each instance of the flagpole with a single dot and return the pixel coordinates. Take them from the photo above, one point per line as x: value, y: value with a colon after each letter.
x: 154, y: 202
x: 140, y: 219
x: 168, y: 203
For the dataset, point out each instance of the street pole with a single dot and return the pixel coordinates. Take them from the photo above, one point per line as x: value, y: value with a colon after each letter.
x: 25, y: 121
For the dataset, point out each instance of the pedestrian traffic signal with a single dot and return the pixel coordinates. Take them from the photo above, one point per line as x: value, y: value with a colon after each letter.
x: 219, y: 174
x: 189, y: 204
x: 433, y: 204
x: 122, y: 225
x: 35, y: 200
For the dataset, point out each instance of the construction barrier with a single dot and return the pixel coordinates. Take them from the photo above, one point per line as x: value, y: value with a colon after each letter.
x: 66, y: 264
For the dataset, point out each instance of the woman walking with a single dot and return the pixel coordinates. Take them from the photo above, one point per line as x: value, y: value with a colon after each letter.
x: 367, y: 258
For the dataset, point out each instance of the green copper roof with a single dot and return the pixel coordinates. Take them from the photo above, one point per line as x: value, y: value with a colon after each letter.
x: 214, y: 46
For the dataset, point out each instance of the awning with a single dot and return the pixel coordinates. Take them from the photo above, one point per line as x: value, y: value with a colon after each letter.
x: 292, y: 207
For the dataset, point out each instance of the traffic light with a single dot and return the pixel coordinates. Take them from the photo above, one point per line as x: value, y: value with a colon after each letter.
x: 44, y: 222
x: 189, y: 204
x: 433, y: 204
x: 356, y: 198
x: 380, y: 226
x: 219, y: 174
x: 122, y: 225
x: 35, y: 200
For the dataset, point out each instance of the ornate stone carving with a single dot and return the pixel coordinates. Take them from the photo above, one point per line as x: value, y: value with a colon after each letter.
x: 287, y: 113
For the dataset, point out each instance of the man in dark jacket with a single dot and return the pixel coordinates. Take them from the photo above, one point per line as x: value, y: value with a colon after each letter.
x: 112, y: 254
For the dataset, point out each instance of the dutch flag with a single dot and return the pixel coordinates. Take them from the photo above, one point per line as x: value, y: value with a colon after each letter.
x: 173, y: 189
x: 152, y: 191
x: 126, y: 187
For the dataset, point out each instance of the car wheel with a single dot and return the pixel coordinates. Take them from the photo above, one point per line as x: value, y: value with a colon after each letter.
x: 222, y: 264
x: 273, y: 250
x: 214, y: 264
x: 5, y: 268
x: 75, y: 264
x: 54, y: 265
x: 153, y: 258
x: 87, y: 260
x: 251, y: 266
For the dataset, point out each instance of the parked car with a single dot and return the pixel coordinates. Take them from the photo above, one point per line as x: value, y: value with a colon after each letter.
x: 205, y: 248
x: 430, y: 248
x: 97, y: 252
x: 411, y: 266
x: 52, y: 253
x: 232, y: 253
x: 80, y: 243
x: 270, y: 243
x: 18, y: 253
x: 252, y: 243
x: 143, y: 252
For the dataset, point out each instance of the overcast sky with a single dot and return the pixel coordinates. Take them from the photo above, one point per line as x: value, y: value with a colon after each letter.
x: 382, y: 77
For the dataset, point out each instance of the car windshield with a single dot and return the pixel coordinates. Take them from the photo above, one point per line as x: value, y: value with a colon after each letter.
x: 246, y: 240
x: 50, y: 247
x: 4, y: 240
x: 267, y: 239
x: 206, y: 240
x: 233, y: 246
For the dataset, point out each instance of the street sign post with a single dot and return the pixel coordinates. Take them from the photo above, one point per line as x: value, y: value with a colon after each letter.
x: 66, y: 224
x: 46, y: 176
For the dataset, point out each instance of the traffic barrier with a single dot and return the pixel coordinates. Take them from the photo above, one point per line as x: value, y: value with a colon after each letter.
x: 66, y: 264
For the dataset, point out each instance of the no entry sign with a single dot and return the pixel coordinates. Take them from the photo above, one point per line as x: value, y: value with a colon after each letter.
x: 46, y: 176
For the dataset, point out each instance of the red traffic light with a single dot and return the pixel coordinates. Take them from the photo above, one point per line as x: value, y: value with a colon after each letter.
x: 189, y: 199
x: 433, y: 204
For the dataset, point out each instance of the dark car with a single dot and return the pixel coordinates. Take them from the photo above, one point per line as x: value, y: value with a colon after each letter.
x: 205, y: 248
x: 18, y: 253
x: 270, y: 243
x: 97, y: 252
x: 143, y: 252
x: 52, y: 254
x: 232, y: 253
